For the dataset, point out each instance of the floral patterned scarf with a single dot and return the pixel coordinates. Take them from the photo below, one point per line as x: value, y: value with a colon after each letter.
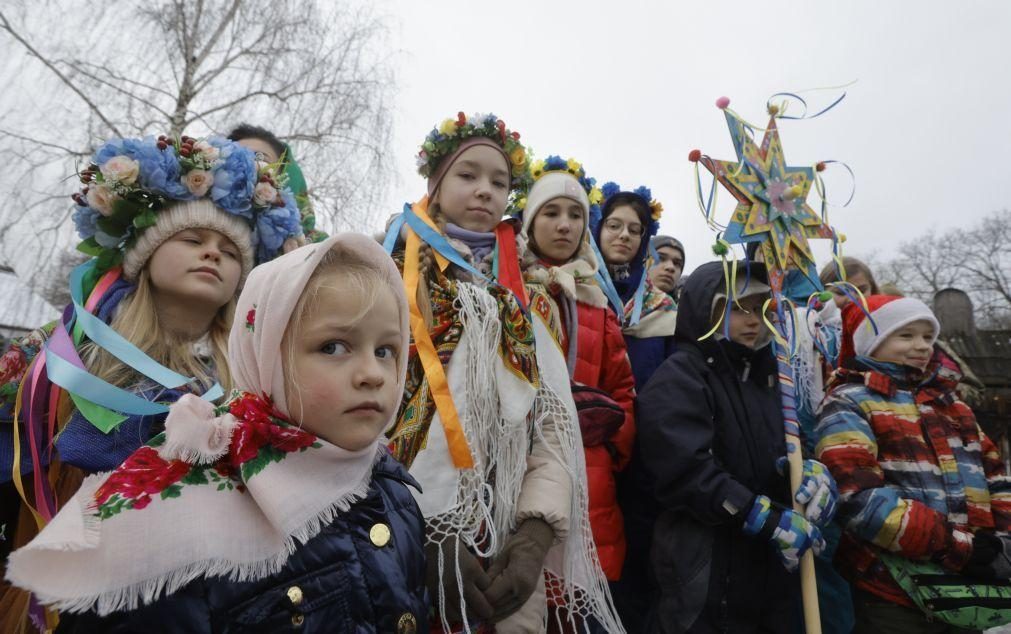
x: 408, y: 436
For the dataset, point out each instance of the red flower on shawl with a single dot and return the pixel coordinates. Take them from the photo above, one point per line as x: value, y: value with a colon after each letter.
x: 143, y: 474
x: 260, y: 424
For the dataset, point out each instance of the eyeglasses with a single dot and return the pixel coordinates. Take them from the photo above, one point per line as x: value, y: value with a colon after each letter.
x: 616, y: 226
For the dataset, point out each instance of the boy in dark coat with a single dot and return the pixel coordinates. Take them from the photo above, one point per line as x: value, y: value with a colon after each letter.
x: 726, y: 539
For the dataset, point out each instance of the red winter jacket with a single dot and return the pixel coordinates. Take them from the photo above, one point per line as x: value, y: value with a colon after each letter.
x: 602, y: 363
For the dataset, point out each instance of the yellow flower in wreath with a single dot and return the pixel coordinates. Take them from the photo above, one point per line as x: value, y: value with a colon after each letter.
x: 574, y: 166
x: 657, y: 209
x: 596, y: 196
x: 448, y: 127
x: 518, y: 156
x: 537, y: 170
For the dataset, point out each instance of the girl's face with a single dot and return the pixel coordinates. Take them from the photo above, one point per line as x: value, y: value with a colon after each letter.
x: 911, y: 345
x: 475, y: 190
x: 342, y: 371
x: 621, y: 235
x: 857, y: 279
x: 557, y: 230
x: 199, y: 267
x: 746, y: 320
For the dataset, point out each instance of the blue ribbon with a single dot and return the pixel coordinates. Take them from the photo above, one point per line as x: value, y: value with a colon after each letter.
x: 78, y: 381
x: 439, y: 242
x: 390, y: 242
x: 85, y: 385
x: 803, y: 103
x: 606, y: 284
x: 113, y: 342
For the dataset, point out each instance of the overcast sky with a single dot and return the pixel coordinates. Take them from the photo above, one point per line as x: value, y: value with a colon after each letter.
x: 629, y: 87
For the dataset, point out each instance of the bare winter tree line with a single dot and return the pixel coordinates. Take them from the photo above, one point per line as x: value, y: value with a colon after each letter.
x: 317, y: 74
x: 975, y: 259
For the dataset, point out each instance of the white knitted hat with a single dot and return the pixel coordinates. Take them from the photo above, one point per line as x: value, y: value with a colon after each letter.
x: 554, y: 185
x: 189, y: 214
x: 889, y: 314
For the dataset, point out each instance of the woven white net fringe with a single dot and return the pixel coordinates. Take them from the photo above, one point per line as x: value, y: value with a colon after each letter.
x: 485, y: 510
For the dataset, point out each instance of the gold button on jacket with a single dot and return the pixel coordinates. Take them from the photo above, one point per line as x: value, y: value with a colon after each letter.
x: 380, y: 535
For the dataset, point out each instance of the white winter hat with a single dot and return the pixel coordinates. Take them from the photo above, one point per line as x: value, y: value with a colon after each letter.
x: 555, y: 185
x: 189, y: 214
x: 889, y: 314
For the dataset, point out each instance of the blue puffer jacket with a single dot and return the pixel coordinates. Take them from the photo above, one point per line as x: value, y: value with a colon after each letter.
x: 339, y: 581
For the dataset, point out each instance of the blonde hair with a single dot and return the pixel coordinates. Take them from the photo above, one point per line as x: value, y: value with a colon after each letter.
x: 137, y: 321
x: 360, y: 276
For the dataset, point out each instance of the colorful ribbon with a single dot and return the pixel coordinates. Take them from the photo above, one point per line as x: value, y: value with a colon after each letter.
x: 439, y: 385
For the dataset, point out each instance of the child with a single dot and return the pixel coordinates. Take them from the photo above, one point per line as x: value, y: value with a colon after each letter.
x: 171, y: 252
x: 559, y: 257
x: 711, y: 434
x: 666, y: 273
x: 272, y: 150
x: 858, y: 275
x: 918, y: 477
x: 629, y: 219
x: 487, y: 423
x: 280, y: 508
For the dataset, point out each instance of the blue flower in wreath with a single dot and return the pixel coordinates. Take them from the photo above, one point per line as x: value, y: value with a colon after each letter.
x: 275, y: 225
x: 85, y: 219
x: 159, y: 168
x: 234, y: 178
x: 644, y: 192
x: 609, y: 189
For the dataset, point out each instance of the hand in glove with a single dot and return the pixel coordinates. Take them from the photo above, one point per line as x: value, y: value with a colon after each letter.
x: 818, y: 493
x: 789, y: 532
x: 519, y: 567
x: 471, y: 576
x: 991, y: 557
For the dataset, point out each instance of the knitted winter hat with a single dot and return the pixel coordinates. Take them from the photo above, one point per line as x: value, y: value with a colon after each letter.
x: 889, y: 313
x: 189, y: 214
x: 660, y: 242
x: 555, y: 185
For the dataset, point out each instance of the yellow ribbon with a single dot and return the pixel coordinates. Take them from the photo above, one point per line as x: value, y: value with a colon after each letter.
x: 437, y: 382
x: 729, y: 285
x: 16, y: 468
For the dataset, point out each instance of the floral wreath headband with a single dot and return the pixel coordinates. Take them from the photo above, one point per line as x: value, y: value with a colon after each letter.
x: 611, y: 189
x: 443, y: 141
x: 129, y: 181
x: 572, y: 167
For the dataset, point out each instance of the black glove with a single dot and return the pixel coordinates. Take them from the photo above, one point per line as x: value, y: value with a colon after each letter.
x: 519, y: 567
x: 473, y: 577
x: 990, y: 558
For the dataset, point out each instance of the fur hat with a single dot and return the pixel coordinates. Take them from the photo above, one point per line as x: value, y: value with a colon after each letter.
x: 190, y: 214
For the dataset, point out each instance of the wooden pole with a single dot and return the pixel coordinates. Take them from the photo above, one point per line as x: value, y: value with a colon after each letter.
x: 791, y: 426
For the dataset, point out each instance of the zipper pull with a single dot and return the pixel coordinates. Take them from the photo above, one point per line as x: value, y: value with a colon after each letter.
x: 747, y: 372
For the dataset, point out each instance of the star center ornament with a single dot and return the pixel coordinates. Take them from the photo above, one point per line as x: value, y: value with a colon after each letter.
x: 771, y: 196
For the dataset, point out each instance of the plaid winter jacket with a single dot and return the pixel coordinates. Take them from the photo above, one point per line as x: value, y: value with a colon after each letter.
x: 916, y: 474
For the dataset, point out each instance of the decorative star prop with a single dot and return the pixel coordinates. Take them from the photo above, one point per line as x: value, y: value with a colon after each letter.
x: 771, y: 198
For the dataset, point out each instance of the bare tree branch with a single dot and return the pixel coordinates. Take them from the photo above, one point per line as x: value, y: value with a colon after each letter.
x: 6, y: 26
